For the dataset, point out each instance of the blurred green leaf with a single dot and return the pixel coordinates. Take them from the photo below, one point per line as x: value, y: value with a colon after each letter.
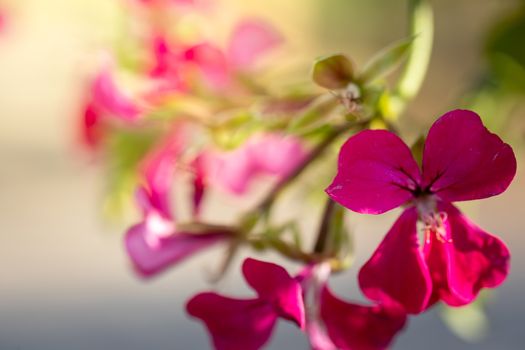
x: 385, y: 61
x: 333, y: 72
x: 505, y: 50
x: 470, y: 323
x: 126, y: 149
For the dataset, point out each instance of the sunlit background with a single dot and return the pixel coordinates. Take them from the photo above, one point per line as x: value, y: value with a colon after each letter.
x: 66, y: 283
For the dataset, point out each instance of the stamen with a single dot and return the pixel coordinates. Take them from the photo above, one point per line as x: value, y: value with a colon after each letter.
x: 435, y: 224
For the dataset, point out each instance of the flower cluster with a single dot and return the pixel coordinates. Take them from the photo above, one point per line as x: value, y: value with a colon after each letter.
x: 198, y: 114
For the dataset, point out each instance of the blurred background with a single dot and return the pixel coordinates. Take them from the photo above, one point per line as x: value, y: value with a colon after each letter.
x: 65, y: 280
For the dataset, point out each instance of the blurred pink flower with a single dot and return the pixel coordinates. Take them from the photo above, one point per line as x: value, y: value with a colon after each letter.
x: 462, y: 160
x: 167, y: 2
x: 110, y: 99
x: 251, y: 40
x: 247, y: 324
x: 106, y: 102
x: 156, y: 243
x: 3, y: 20
x: 176, y: 67
x: 266, y: 154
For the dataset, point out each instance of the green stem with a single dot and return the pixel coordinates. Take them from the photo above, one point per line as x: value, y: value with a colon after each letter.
x: 422, y: 28
x: 324, y: 227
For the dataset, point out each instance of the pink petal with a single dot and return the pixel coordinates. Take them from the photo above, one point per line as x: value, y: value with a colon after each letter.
x: 158, y: 168
x: 230, y: 170
x: 3, y: 20
x: 161, y: 54
x: 274, y: 284
x: 91, y: 128
x: 396, y: 274
x: 151, y: 257
x: 376, y: 173
x: 108, y: 97
x: 234, y: 324
x: 359, y: 327
x: 471, y: 259
x: 276, y: 154
x: 199, y: 183
x: 211, y: 62
x: 250, y: 40
x: 462, y: 160
x: 268, y: 154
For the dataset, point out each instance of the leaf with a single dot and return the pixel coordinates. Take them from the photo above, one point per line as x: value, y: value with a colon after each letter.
x: 333, y: 72
x: 386, y: 61
x: 470, y: 322
x: 314, y: 115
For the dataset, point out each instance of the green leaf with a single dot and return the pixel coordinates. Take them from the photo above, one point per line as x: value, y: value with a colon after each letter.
x: 333, y: 72
x: 386, y: 61
x: 470, y: 322
x: 126, y: 148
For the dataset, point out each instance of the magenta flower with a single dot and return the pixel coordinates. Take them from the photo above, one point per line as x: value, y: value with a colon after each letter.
x: 332, y: 323
x: 462, y: 160
x: 251, y: 39
x: 106, y: 102
x: 108, y: 98
x: 268, y: 154
x: 176, y: 66
x: 247, y: 324
x: 156, y: 243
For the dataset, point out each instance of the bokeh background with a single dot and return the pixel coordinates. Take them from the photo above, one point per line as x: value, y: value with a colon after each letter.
x: 65, y: 282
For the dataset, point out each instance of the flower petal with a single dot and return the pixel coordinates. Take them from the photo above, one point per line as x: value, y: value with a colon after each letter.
x: 471, y: 259
x: 151, y: 256
x: 91, y: 128
x: 234, y: 324
x: 354, y: 326
x: 462, y: 160
x: 274, y: 284
x: 158, y: 169
x: 250, y: 40
x: 211, y: 62
x: 107, y: 96
x: 267, y: 154
x: 376, y: 173
x: 276, y: 154
x: 396, y: 274
x: 232, y: 171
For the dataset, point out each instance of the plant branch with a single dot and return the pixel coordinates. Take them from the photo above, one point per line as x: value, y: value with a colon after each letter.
x: 324, y: 227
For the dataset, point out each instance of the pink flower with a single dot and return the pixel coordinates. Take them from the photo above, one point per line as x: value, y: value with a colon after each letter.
x: 177, y: 67
x: 167, y: 2
x: 332, y: 323
x: 3, y: 20
x: 108, y: 98
x: 462, y: 160
x: 155, y: 243
x: 106, y: 102
x: 251, y: 39
x: 247, y: 324
x: 267, y: 154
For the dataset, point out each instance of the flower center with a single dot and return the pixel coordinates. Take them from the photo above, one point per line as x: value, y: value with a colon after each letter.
x: 434, y: 222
